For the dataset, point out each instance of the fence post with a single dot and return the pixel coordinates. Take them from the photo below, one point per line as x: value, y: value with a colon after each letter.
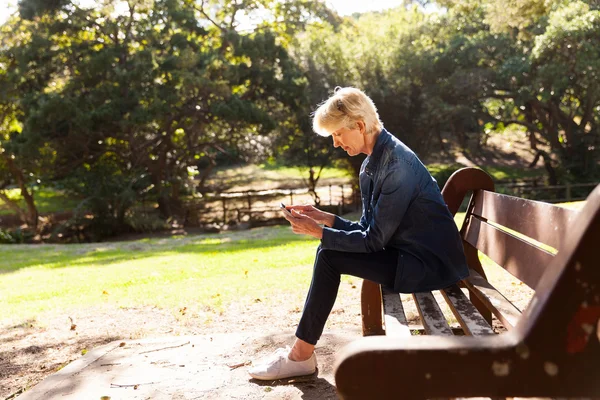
x: 343, y: 199
x: 568, y: 191
x: 330, y: 197
x: 224, y: 211
x: 291, y: 197
x: 249, y: 206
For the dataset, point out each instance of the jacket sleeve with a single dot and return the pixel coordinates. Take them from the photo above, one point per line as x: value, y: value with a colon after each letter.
x: 342, y: 224
x: 399, y: 188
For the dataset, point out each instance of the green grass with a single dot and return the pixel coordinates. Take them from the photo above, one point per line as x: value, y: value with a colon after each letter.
x: 46, y: 200
x: 203, y: 272
x: 294, y: 172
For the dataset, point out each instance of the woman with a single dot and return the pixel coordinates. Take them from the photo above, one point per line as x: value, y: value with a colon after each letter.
x: 405, y: 240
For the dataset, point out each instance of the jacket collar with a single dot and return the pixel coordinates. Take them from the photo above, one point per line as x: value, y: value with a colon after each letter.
x: 375, y: 157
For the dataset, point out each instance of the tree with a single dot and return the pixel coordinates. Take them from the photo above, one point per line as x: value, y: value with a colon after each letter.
x: 539, y: 71
x: 21, y: 162
x: 155, y: 90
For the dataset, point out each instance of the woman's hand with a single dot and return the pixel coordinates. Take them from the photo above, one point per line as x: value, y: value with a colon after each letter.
x: 303, y: 224
x: 317, y: 215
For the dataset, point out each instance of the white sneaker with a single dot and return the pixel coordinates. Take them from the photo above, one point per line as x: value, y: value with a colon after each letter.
x: 279, y: 366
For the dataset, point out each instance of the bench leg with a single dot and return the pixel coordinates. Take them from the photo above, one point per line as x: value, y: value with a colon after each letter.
x: 371, y: 308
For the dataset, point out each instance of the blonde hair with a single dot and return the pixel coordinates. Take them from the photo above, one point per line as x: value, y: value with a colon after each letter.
x: 343, y: 109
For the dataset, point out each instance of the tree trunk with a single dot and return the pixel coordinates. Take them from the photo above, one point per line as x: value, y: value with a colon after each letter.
x: 175, y: 204
x: 312, y: 185
x: 552, y: 180
x: 205, y: 174
x: 14, y: 206
x: 31, y: 216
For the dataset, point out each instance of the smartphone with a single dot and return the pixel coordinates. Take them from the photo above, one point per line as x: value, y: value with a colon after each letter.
x: 285, y: 210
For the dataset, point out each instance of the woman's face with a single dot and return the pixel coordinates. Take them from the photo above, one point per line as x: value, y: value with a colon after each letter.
x: 351, y: 140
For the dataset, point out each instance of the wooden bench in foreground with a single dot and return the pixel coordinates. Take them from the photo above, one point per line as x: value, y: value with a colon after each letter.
x: 552, y: 349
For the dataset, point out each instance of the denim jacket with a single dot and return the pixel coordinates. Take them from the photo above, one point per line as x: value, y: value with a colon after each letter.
x: 403, y: 209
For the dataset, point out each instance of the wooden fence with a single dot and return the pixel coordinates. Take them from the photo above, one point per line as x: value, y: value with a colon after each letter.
x: 262, y: 207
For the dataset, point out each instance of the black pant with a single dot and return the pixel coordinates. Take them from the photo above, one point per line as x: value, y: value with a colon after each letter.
x: 378, y: 267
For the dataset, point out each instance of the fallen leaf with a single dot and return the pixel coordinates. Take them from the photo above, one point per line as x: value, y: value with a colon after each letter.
x: 136, y: 387
x: 122, y: 344
x: 268, y: 389
x: 73, y: 326
x: 104, y: 292
x: 84, y: 352
x: 257, y: 300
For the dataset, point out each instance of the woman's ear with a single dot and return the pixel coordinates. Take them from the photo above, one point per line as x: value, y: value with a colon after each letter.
x: 362, y: 127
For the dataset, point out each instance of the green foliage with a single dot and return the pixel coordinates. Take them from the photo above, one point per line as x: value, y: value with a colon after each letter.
x: 29, y: 9
x: 453, y: 75
x: 442, y: 172
x: 107, y: 193
x: 172, y: 86
x: 16, y: 236
x: 161, y: 88
x: 144, y: 222
x: 6, y: 237
x: 48, y: 200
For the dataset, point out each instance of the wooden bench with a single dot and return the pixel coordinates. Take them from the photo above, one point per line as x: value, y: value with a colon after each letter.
x: 552, y: 348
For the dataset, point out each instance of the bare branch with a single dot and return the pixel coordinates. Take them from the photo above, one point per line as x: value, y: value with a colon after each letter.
x: 201, y: 11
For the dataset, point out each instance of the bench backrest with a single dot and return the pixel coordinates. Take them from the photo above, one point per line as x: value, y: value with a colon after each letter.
x: 522, y: 236
x: 551, y: 249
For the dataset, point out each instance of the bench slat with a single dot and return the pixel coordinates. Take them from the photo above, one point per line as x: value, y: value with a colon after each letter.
x: 467, y: 315
x: 540, y: 221
x: 431, y: 315
x: 495, y: 301
x: 522, y: 259
x: 394, y: 317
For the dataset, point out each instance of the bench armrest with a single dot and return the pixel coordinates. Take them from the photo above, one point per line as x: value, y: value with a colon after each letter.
x: 463, y: 181
x: 434, y: 367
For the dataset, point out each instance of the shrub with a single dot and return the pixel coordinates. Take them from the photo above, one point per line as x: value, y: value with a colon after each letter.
x: 442, y: 172
x: 108, y: 194
x: 17, y: 236
x: 143, y: 222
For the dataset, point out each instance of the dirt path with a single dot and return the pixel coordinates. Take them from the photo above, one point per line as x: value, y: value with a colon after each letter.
x: 246, y: 330
x: 33, y: 350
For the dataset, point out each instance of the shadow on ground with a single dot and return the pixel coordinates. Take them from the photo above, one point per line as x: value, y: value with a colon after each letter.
x: 189, y: 367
